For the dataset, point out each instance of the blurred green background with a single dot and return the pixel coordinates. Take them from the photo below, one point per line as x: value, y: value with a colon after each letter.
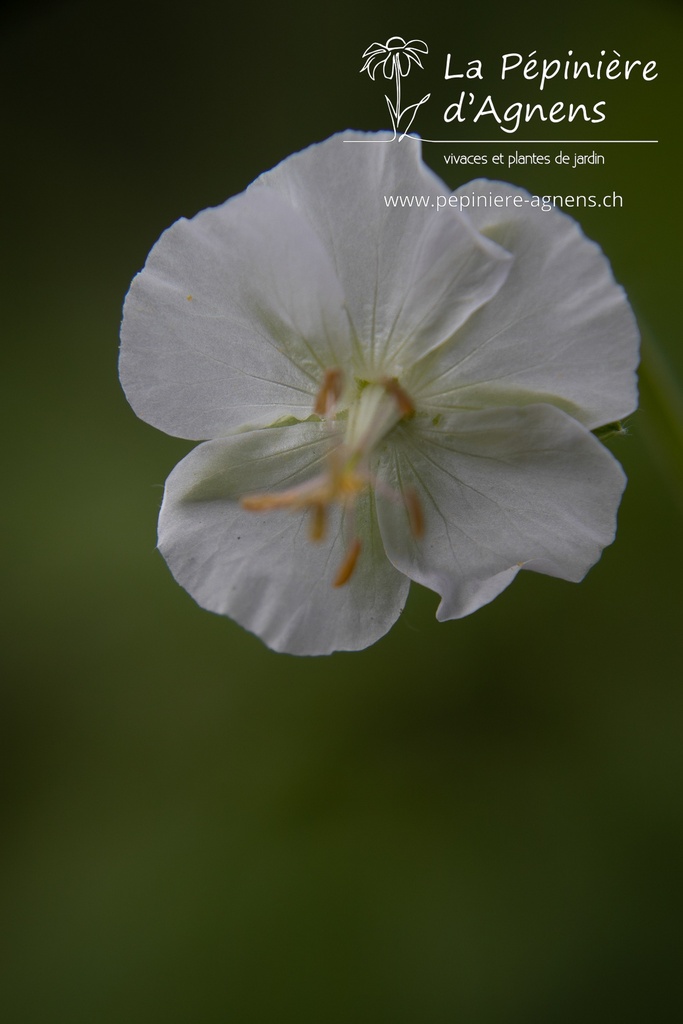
x: 476, y: 822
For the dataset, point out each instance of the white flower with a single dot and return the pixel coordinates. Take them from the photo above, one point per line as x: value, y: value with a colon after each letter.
x: 389, y: 393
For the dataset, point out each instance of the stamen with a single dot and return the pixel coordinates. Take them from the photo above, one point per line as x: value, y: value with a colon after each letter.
x: 415, y: 513
x: 264, y: 502
x: 403, y: 399
x: 330, y: 392
x: 346, y: 474
x: 305, y: 495
x: 349, y: 564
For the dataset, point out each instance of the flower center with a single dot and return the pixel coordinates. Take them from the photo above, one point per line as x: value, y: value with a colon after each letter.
x: 365, y: 422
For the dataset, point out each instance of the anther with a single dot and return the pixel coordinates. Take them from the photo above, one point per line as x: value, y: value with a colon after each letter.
x: 402, y: 398
x: 265, y: 502
x: 261, y: 503
x: 330, y: 392
x: 349, y: 564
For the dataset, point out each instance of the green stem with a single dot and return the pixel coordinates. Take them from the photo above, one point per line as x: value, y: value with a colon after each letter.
x: 662, y: 407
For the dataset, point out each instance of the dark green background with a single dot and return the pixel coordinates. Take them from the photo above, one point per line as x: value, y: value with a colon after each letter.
x: 475, y: 822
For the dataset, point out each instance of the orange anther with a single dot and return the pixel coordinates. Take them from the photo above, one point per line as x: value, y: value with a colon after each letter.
x: 349, y: 564
x: 330, y: 392
x: 402, y: 398
x: 264, y: 502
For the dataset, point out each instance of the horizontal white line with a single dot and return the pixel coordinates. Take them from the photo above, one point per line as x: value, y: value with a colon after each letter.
x: 520, y: 142
x: 546, y: 142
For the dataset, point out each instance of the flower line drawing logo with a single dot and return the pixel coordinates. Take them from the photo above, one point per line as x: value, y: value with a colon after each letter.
x: 395, y: 58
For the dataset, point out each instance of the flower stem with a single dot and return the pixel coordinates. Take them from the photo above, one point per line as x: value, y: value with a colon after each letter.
x: 397, y: 72
x: 662, y: 405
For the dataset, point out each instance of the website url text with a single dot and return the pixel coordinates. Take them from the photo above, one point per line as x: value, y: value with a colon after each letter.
x: 493, y: 200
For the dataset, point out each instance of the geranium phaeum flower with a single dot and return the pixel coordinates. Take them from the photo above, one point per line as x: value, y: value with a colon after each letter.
x: 388, y: 394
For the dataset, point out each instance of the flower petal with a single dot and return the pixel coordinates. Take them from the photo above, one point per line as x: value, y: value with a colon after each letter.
x: 501, y: 489
x: 559, y: 330
x: 411, y: 273
x: 374, y: 48
x: 233, y: 320
x: 413, y: 57
x: 374, y: 62
x: 417, y: 44
x: 260, y: 568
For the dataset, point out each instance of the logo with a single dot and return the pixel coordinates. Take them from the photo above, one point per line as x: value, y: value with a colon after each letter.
x: 396, y: 57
